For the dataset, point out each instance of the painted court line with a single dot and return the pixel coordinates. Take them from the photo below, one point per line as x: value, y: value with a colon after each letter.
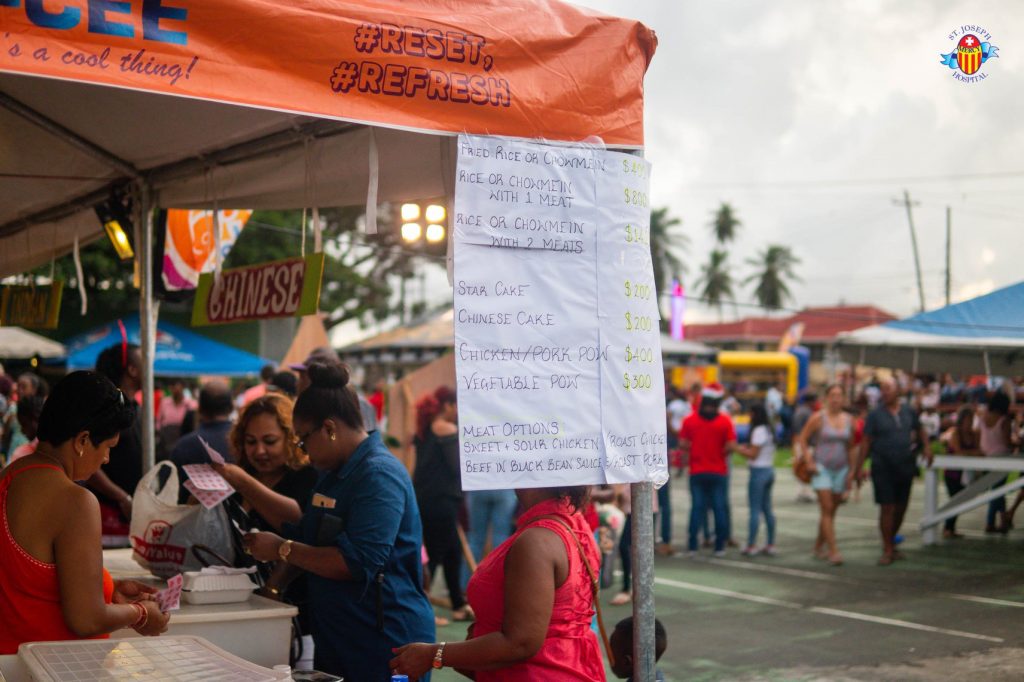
x: 824, y: 611
x: 727, y: 593
x: 987, y: 600
x: 781, y: 570
x: 902, y: 623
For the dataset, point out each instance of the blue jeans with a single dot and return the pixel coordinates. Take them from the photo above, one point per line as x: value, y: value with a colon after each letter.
x: 759, y: 492
x: 709, y: 490
x: 489, y: 509
x: 665, y: 511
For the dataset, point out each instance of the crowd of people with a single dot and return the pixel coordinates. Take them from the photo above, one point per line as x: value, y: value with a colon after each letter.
x: 892, y: 423
x: 354, y: 539
x: 348, y: 535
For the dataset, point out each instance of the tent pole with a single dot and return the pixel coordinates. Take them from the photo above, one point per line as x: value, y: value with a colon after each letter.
x: 147, y: 323
x: 642, y: 554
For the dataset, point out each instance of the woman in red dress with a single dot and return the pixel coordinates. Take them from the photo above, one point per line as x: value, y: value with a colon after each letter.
x: 533, y: 599
x: 52, y: 582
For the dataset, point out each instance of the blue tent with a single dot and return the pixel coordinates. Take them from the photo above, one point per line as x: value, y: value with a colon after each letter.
x: 984, y: 335
x: 179, y: 352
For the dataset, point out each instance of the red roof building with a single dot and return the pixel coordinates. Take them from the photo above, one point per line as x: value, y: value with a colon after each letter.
x: 821, y: 326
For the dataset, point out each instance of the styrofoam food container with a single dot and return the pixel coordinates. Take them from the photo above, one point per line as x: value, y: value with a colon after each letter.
x: 206, y: 588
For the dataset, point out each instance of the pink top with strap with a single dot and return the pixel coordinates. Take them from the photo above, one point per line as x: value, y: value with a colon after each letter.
x: 29, y: 589
x: 571, y: 652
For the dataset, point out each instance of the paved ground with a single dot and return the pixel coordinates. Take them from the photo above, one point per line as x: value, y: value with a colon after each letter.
x: 952, y: 611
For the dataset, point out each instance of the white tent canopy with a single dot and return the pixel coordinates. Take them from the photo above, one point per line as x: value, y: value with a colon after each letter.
x: 237, y: 158
x: 18, y: 343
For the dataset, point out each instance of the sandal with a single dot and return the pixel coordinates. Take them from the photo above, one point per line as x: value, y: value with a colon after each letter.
x: 621, y: 599
x: 835, y: 560
x: 886, y: 560
x: 441, y: 622
x: 464, y: 614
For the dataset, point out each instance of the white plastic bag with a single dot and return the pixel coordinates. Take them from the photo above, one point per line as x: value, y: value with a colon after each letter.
x: 163, y: 531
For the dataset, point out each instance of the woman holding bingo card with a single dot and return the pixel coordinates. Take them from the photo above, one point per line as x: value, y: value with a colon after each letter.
x: 52, y: 582
x: 358, y: 540
x: 273, y: 478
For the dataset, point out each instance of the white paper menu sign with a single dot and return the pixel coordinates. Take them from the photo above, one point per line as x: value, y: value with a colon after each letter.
x: 557, y: 344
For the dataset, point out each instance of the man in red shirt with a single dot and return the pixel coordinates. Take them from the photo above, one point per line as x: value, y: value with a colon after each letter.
x: 708, y: 436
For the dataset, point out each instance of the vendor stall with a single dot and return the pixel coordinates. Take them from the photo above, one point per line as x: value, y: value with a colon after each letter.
x: 317, y: 103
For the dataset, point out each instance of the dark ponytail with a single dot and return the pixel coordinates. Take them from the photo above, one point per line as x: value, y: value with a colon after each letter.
x: 329, y: 396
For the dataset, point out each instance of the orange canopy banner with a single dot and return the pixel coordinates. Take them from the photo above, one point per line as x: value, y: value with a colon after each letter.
x: 521, y: 68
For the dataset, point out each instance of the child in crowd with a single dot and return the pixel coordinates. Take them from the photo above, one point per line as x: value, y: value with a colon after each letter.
x: 29, y: 409
x: 622, y: 648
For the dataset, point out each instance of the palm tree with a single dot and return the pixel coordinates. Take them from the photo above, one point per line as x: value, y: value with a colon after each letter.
x: 725, y: 224
x: 715, y: 281
x: 774, y: 270
x: 666, y: 242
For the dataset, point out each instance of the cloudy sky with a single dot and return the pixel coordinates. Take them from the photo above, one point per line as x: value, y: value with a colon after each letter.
x: 811, y: 117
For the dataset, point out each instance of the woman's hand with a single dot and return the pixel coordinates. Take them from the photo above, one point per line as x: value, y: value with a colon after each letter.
x: 127, y: 591
x: 263, y: 546
x: 232, y: 473
x: 414, y: 660
x: 156, y: 620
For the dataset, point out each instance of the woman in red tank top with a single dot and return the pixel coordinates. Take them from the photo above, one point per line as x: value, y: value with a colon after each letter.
x: 533, y: 600
x: 52, y: 582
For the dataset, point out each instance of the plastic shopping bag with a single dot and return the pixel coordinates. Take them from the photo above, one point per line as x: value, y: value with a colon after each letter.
x: 163, y: 532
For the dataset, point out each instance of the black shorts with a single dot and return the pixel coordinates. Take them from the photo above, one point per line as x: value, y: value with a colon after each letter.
x: 892, y: 486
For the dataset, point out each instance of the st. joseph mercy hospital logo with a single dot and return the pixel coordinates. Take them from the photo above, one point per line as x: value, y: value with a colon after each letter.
x: 972, y: 51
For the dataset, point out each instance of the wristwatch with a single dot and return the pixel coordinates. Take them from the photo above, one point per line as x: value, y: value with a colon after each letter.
x: 439, y: 657
x: 284, y: 550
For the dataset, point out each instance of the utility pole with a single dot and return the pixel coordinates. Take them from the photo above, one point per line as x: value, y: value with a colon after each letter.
x: 913, y: 241
x: 949, y: 247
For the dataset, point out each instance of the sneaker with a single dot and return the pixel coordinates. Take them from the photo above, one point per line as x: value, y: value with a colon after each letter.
x: 718, y: 553
x: 769, y: 550
x: 691, y: 554
x: 750, y: 551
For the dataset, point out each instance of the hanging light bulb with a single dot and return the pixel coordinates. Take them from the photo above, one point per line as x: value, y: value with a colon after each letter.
x: 435, y: 233
x: 411, y: 232
x: 410, y: 212
x: 435, y: 213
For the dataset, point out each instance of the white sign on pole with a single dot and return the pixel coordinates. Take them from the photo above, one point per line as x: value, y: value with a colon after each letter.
x: 557, y: 342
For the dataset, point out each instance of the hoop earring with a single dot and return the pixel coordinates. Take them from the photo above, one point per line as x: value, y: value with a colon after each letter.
x: 333, y: 437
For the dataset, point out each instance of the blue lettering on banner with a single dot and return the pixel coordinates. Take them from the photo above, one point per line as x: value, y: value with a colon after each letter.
x: 98, y: 22
x: 152, y: 12
x: 65, y: 19
x: 155, y: 15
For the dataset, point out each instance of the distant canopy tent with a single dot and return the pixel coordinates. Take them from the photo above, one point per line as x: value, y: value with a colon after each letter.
x: 179, y: 352
x: 984, y: 335
x: 17, y: 344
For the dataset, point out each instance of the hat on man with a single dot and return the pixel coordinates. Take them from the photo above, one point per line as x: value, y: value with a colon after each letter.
x: 714, y: 391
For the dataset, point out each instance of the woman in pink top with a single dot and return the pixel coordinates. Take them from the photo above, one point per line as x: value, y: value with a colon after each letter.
x: 533, y: 599
x: 995, y: 439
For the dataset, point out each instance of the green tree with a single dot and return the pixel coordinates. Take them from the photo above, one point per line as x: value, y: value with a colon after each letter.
x: 667, y: 241
x: 775, y: 269
x: 725, y: 224
x: 715, y: 282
